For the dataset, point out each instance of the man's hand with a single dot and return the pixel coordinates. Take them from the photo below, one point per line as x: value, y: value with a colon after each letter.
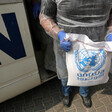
x: 109, y: 37
x: 36, y: 10
x: 65, y: 45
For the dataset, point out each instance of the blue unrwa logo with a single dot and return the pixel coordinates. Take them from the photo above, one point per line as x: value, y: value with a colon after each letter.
x: 13, y: 47
x: 87, y: 60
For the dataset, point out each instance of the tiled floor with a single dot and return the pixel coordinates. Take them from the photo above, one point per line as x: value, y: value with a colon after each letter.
x: 47, y: 98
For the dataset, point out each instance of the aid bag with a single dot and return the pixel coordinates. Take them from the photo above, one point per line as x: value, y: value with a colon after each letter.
x: 88, y: 63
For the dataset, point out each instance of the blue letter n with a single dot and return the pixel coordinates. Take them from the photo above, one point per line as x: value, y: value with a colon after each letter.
x: 13, y: 47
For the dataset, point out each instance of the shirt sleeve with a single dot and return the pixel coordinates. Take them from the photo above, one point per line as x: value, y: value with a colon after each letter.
x: 48, y: 8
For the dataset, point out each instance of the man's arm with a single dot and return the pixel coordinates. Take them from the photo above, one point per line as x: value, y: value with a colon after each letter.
x: 47, y: 20
x: 49, y: 26
x: 54, y: 31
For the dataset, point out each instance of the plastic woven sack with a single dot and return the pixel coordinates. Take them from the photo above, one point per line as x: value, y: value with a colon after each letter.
x: 88, y: 62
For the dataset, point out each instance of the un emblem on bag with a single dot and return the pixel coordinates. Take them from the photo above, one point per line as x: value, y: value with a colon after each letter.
x: 87, y: 60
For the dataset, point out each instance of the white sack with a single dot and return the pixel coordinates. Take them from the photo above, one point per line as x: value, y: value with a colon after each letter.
x: 88, y: 62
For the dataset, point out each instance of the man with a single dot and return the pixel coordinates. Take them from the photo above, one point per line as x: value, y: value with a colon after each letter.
x: 59, y: 17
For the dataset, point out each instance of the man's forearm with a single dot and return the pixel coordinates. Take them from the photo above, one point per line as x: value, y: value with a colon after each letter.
x: 49, y: 26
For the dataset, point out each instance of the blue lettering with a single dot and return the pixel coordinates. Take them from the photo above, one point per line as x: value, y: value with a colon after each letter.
x: 90, y: 76
x: 13, y: 47
x: 77, y: 74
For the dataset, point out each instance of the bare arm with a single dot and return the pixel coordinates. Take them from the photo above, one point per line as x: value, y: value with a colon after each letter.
x: 49, y: 25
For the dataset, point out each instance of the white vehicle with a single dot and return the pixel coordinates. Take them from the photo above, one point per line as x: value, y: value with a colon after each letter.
x: 19, y: 70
